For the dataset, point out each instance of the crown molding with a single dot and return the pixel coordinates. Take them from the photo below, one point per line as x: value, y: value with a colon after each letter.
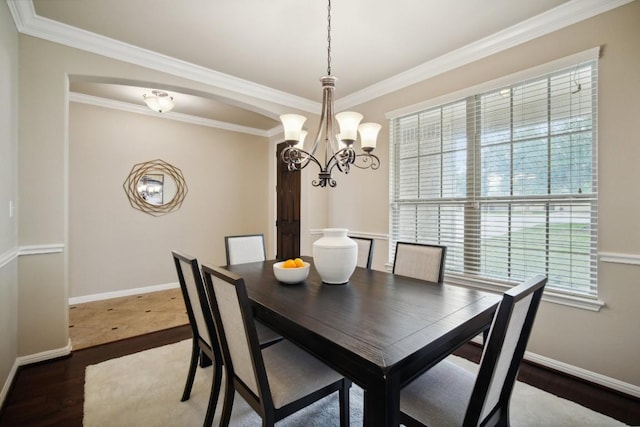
x: 171, y: 115
x: 27, y: 22
x: 555, y: 19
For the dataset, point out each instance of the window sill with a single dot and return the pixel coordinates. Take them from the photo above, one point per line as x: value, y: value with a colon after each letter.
x: 575, y: 301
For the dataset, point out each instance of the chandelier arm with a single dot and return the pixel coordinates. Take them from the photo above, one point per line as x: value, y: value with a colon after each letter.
x: 366, y: 157
x: 298, y: 158
x: 342, y: 160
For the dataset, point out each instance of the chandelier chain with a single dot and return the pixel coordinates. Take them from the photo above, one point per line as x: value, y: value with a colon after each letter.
x: 339, y: 153
x: 329, y: 38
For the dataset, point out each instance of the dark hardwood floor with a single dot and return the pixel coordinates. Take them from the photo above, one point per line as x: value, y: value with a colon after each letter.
x: 52, y: 393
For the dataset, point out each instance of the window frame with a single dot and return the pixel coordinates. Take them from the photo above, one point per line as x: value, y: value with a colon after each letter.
x: 468, y: 95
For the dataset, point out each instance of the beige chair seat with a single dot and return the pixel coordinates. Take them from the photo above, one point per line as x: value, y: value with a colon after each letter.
x: 287, y: 364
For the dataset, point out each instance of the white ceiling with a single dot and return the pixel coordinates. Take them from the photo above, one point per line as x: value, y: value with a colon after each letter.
x: 278, y: 48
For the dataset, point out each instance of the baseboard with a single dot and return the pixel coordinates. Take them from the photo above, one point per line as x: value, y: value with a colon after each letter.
x: 7, y: 384
x: 574, y: 371
x: 27, y: 360
x: 123, y: 293
x: 45, y: 355
x: 592, y: 377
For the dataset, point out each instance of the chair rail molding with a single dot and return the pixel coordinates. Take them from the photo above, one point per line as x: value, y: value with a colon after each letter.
x: 354, y: 233
x: 52, y: 248
x: 619, y: 258
x: 8, y: 256
x: 13, y: 253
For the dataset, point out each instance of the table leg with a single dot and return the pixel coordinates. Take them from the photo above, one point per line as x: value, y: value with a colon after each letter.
x: 382, y: 404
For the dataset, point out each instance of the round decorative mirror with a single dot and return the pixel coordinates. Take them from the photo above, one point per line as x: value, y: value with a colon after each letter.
x: 155, y: 187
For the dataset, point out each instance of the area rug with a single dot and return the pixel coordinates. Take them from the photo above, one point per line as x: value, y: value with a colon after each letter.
x: 145, y: 389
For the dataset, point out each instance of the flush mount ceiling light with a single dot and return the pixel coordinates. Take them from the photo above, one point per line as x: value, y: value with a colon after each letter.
x: 159, y: 101
x: 338, y: 146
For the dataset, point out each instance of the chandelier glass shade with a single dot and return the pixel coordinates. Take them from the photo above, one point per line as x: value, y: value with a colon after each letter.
x: 159, y: 101
x: 337, y: 134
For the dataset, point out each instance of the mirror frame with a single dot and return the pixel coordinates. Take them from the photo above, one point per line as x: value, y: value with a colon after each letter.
x: 149, y: 168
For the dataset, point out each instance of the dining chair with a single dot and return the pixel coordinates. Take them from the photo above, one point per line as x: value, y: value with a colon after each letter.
x: 275, y: 381
x: 244, y: 248
x: 449, y: 395
x: 365, y: 251
x: 205, y: 346
x: 420, y: 261
x: 204, y: 343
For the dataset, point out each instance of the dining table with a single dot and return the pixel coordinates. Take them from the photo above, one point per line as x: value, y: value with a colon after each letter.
x: 380, y: 330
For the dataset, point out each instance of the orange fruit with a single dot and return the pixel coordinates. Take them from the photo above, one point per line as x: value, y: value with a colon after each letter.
x: 289, y: 264
x: 299, y: 262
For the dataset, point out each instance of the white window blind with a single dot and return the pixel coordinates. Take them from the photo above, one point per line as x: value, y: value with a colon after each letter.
x: 506, y: 179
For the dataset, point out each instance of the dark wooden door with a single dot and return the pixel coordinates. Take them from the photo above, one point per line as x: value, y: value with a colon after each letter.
x: 288, y: 214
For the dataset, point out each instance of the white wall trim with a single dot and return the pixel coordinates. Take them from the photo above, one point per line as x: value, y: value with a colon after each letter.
x: 27, y: 22
x: 375, y: 236
x: 593, y: 377
x: 619, y: 258
x: 171, y: 115
x: 553, y: 20
x: 52, y: 248
x: 575, y: 371
x: 8, y: 256
x: 45, y: 355
x: 575, y: 301
x: 519, y: 76
x: 8, y: 382
x: 123, y: 293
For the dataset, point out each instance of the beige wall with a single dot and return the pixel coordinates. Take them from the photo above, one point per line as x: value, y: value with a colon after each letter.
x: 604, y: 342
x: 8, y: 193
x: 113, y: 247
x: 44, y: 169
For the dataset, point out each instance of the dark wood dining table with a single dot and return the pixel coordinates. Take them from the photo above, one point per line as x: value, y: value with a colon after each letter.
x: 380, y: 330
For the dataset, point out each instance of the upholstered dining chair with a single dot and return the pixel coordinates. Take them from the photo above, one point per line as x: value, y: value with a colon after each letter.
x: 205, y: 343
x: 205, y: 346
x: 449, y: 395
x: 420, y: 261
x: 244, y: 248
x: 275, y: 381
x: 365, y: 251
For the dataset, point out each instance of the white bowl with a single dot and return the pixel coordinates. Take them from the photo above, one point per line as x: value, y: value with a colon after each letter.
x: 291, y: 275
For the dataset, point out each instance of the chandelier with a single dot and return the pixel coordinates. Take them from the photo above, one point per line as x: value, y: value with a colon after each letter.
x: 159, y: 101
x: 338, y: 146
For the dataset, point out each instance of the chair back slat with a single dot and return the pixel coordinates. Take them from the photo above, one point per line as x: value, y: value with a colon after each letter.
x: 504, y: 350
x: 245, y: 248
x: 420, y: 261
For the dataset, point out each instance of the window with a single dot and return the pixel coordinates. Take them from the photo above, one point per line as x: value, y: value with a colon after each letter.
x: 505, y: 178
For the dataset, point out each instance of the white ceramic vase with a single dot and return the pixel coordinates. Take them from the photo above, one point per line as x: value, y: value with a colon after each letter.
x: 335, y: 256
